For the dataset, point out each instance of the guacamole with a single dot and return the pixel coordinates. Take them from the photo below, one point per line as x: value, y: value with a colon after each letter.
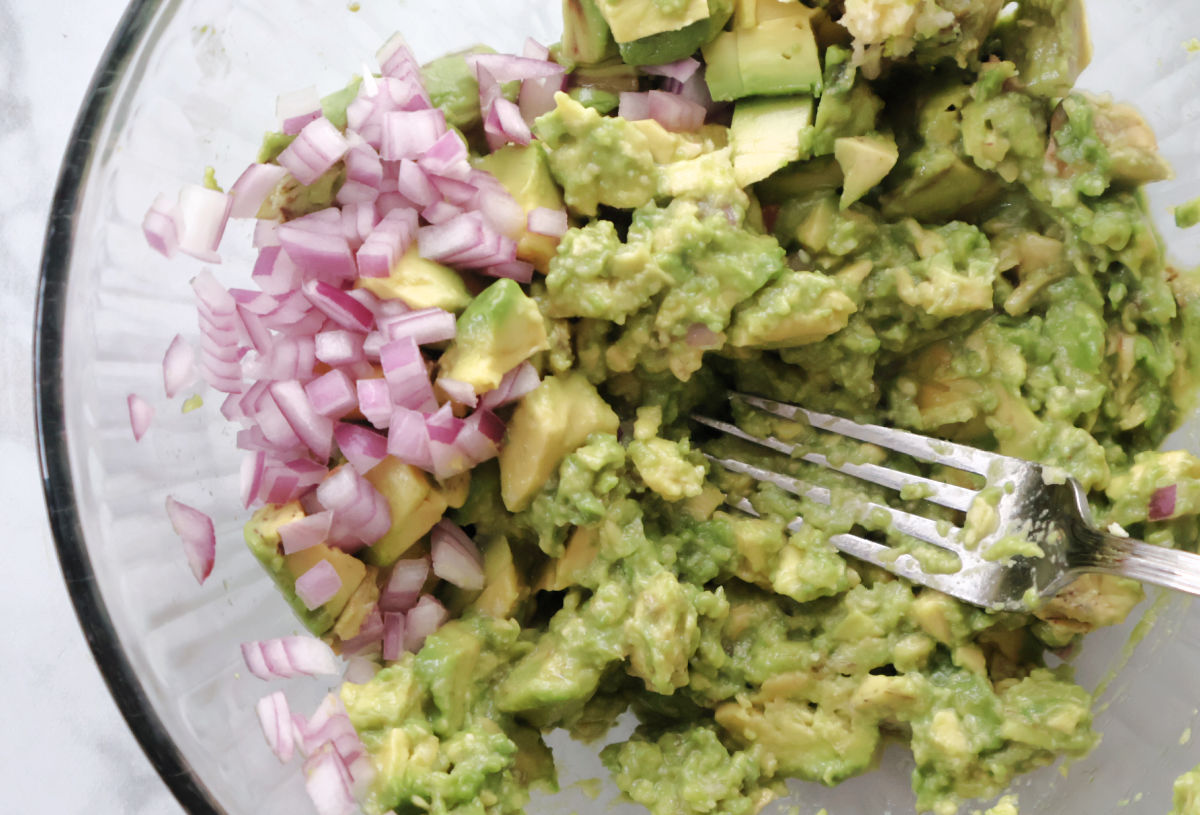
x: 899, y: 212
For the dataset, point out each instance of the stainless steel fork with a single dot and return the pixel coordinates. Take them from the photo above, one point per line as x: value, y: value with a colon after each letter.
x: 1029, y: 504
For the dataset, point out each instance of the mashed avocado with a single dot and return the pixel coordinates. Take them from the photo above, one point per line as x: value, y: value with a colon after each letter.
x: 948, y: 239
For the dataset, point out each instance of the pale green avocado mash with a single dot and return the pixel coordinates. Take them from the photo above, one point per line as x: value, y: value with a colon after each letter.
x: 937, y: 233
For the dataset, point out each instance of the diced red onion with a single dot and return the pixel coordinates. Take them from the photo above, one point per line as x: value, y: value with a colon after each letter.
x: 179, y: 366
x: 387, y: 243
x: 203, y: 214
x: 408, y: 438
x: 393, y: 635
x: 550, y: 222
x: 633, y: 106
x: 338, y: 346
x: 274, y: 271
x: 443, y: 425
x: 414, y: 184
x: 363, y: 166
x: 253, y: 465
x: 360, y: 514
x: 339, y: 306
x: 507, y: 67
x: 409, y: 133
x: 404, y: 585
x: 375, y: 401
x: 674, y: 112
x: 455, y: 556
x: 318, y: 585
x: 319, y: 250
x: 504, y: 124
x: 141, y: 413
x: 161, y: 226
x: 701, y: 336
x: 497, y: 205
x: 695, y: 89
x: 1162, y: 503
x: 422, y: 620
x: 360, y: 670
x: 332, y: 394
x: 252, y: 188
x: 315, y: 430
x: 533, y: 49
x: 518, y: 270
x: 423, y: 326
x: 680, y: 70
x: 439, y: 212
x: 304, y: 533
x: 196, y: 531
x: 514, y: 384
x: 406, y: 375
x: 295, y: 109
x: 455, y: 191
x: 395, y: 58
x: 362, y: 447
x: 314, y: 151
x: 480, y: 436
x: 461, y: 392
x: 446, y: 157
x: 275, y: 717
x: 287, y: 358
x: 265, y: 234
x: 537, y: 96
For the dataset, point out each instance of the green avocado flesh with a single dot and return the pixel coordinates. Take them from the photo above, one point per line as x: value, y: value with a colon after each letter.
x: 907, y: 219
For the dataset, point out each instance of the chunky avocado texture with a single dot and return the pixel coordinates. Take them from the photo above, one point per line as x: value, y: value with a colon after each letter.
x: 899, y: 212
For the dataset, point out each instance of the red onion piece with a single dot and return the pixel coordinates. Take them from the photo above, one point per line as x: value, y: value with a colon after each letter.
x: 275, y: 717
x: 318, y: 249
x: 515, y: 384
x: 517, y: 270
x: 443, y: 425
x: 360, y: 670
x: 1162, y: 503
x: 318, y: 585
x: 315, y: 430
x: 537, y: 96
x: 439, y: 212
x: 404, y: 586
x: 455, y: 556
x: 409, y: 133
x: 289, y: 656
x: 533, y: 49
x: 161, y: 226
x: 327, y: 786
x: 368, y: 637
x: 480, y: 436
x: 447, y: 157
x: 634, y: 106
x: 332, y: 394
x: 274, y: 271
x: 680, y: 70
x: 387, y: 243
x: 304, y: 533
x: 360, y: 514
x: 338, y: 346
x: 362, y: 447
x: 701, y: 336
x: 461, y: 392
x: 504, y: 124
x: 363, y: 166
x: 406, y: 375
x: 252, y: 469
x: 314, y: 151
x: 141, y: 413
x: 395, y: 57
x: 199, y: 538
x: 265, y: 234
x: 375, y: 401
x: 550, y: 222
x: 252, y: 188
x: 675, y: 113
x: 423, y: 326
x: 423, y: 619
x: 393, y: 635
x: 413, y: 183
x: 339, y: 306
x: 203, y: 214
x: 408, y: 438
x: 506, y: 67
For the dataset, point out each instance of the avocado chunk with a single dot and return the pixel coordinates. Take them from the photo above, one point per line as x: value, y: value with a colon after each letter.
x: 669, y: 46
x: 500, y: 329
x: 420, y: 283
x: 415, y: 506
x: 503, y: 588
x: 848, y: 107
x: 796, y: 180
x: 634, y: 19
x: 777, y: 57
x: 768, y: 134
x: 798, y: 308
x: 586, y: 37
x: 262, y: 538
x: 551, y: 421
x: 865, y: 161
x: 525, y: 173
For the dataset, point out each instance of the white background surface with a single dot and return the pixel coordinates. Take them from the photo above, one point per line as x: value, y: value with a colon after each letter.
x: 64, y: 747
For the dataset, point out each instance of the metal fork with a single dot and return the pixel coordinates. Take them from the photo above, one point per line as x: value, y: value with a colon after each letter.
x: 1055, y: 516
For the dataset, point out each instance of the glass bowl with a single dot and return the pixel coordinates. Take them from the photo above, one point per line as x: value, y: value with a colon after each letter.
x: 191, y: 83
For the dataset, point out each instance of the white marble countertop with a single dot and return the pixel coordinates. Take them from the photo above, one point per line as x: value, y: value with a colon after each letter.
x: 63, y: 747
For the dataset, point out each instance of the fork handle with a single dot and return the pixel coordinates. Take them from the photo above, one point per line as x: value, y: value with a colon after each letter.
x: 1159, y: 565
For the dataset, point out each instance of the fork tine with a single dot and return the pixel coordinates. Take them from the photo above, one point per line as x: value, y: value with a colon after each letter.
x: 937, y: 492
x: 932, y: 450
x: 904, y: 566
x: 915, y: 525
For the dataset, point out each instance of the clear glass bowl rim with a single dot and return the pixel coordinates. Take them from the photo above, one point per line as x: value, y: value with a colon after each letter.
x: 50, y: 417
